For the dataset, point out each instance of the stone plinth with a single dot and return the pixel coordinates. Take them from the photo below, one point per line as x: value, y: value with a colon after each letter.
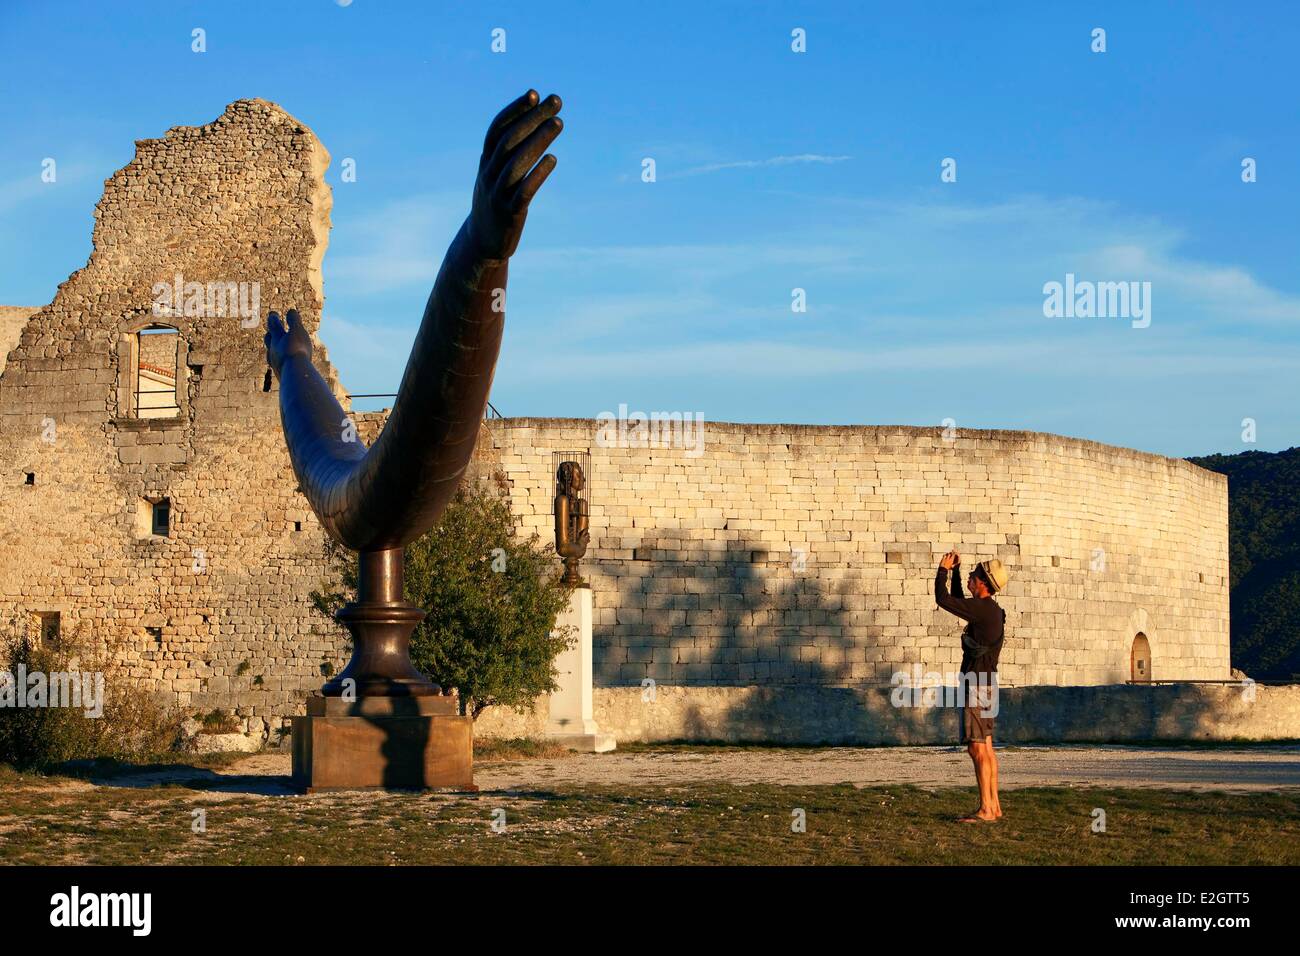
x: 571, y: 723
x: 396, y: 743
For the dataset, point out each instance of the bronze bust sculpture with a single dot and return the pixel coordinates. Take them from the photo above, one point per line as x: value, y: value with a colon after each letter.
x: 571, y: 519
x: 376, y: 501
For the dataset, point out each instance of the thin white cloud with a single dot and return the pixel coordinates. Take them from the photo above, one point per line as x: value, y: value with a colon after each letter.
x: 786, y: 361
x: 939, y: 261
x: 374, y: 354
x: 924, y: 290
x: 397, y: 243
x: 796, y: 159
x: 26, y: 188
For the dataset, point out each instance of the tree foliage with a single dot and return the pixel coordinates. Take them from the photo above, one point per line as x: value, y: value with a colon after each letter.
x: 491, y: 598
x: 1264, y: 559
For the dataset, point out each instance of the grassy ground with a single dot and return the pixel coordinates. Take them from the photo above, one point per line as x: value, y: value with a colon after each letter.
x: 49, y: 820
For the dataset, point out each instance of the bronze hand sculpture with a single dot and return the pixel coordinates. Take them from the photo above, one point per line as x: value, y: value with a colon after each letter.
x: 571, y: 519
x: 377, y: 501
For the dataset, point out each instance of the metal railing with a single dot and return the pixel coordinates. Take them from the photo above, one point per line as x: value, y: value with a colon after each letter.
x: 155, y: 408
x: 488, y: 413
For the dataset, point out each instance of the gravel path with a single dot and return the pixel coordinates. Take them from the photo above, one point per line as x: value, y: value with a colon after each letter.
x: 1237, y: 769
x: 1253, y: 768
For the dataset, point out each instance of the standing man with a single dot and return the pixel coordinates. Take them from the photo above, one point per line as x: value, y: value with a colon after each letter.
x: 981, y: 643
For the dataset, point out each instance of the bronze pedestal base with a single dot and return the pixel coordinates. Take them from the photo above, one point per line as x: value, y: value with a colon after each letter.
x: 411, y: 743
x: 381, y: 623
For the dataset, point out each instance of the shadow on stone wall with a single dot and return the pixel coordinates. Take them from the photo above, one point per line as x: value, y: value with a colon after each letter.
x: 1123, y: 712
x: 774, y: 663
x: 818, y: 715
x: 780, y: 635
x: 786, y: 656
x: 746, y: 598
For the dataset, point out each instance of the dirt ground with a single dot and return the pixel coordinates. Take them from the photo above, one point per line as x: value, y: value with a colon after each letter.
x: 1245, y: 769
x: 1193, y: 769
x: 1207, y: 805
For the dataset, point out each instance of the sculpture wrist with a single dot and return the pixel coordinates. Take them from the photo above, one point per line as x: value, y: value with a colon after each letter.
x: 475, y: 248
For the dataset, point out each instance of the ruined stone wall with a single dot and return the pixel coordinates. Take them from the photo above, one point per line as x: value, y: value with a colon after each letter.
x: 216, y: 612
x: 12, y: 320
x: 695, y: 560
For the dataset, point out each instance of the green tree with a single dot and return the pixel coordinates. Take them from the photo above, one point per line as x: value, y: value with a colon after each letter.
x: 1264, y: 559
x: 491, y: 598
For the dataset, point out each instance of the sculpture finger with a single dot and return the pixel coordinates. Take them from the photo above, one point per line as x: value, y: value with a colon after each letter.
x: 526, y: 156
x: 519, y: 131
x: 506, y: 117
x: 532, y: 182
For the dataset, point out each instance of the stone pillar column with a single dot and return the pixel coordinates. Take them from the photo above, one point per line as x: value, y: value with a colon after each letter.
x: 571, y: 722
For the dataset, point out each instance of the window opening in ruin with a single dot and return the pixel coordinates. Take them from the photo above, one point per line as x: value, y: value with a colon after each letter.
x: 266, y: 382
x: 297, y: 526
x: 1140, y: 660
x: 155, y: 633
x: 49, y: 624
x: 153, y: 518
x: 161, y: 518
x: 30, y: 478
x: 155, y: 373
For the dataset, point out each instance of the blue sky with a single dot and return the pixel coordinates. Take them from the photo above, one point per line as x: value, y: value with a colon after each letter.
x: 776, y: 171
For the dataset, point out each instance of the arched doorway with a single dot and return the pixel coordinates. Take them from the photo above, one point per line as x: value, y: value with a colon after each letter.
x: 1140, y: 660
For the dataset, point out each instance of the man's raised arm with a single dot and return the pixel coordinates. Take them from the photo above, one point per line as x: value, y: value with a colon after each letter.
x: 953, y: 603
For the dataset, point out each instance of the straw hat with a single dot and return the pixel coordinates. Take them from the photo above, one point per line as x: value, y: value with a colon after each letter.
x: 995, y: 573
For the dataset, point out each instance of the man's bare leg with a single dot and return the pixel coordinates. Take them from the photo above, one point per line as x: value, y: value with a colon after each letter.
x: 973, y: 748
x: 993, y: 776
x: 981, y: 755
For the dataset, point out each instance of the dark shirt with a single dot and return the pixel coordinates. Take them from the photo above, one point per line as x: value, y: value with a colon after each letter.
x: 981, y: 642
